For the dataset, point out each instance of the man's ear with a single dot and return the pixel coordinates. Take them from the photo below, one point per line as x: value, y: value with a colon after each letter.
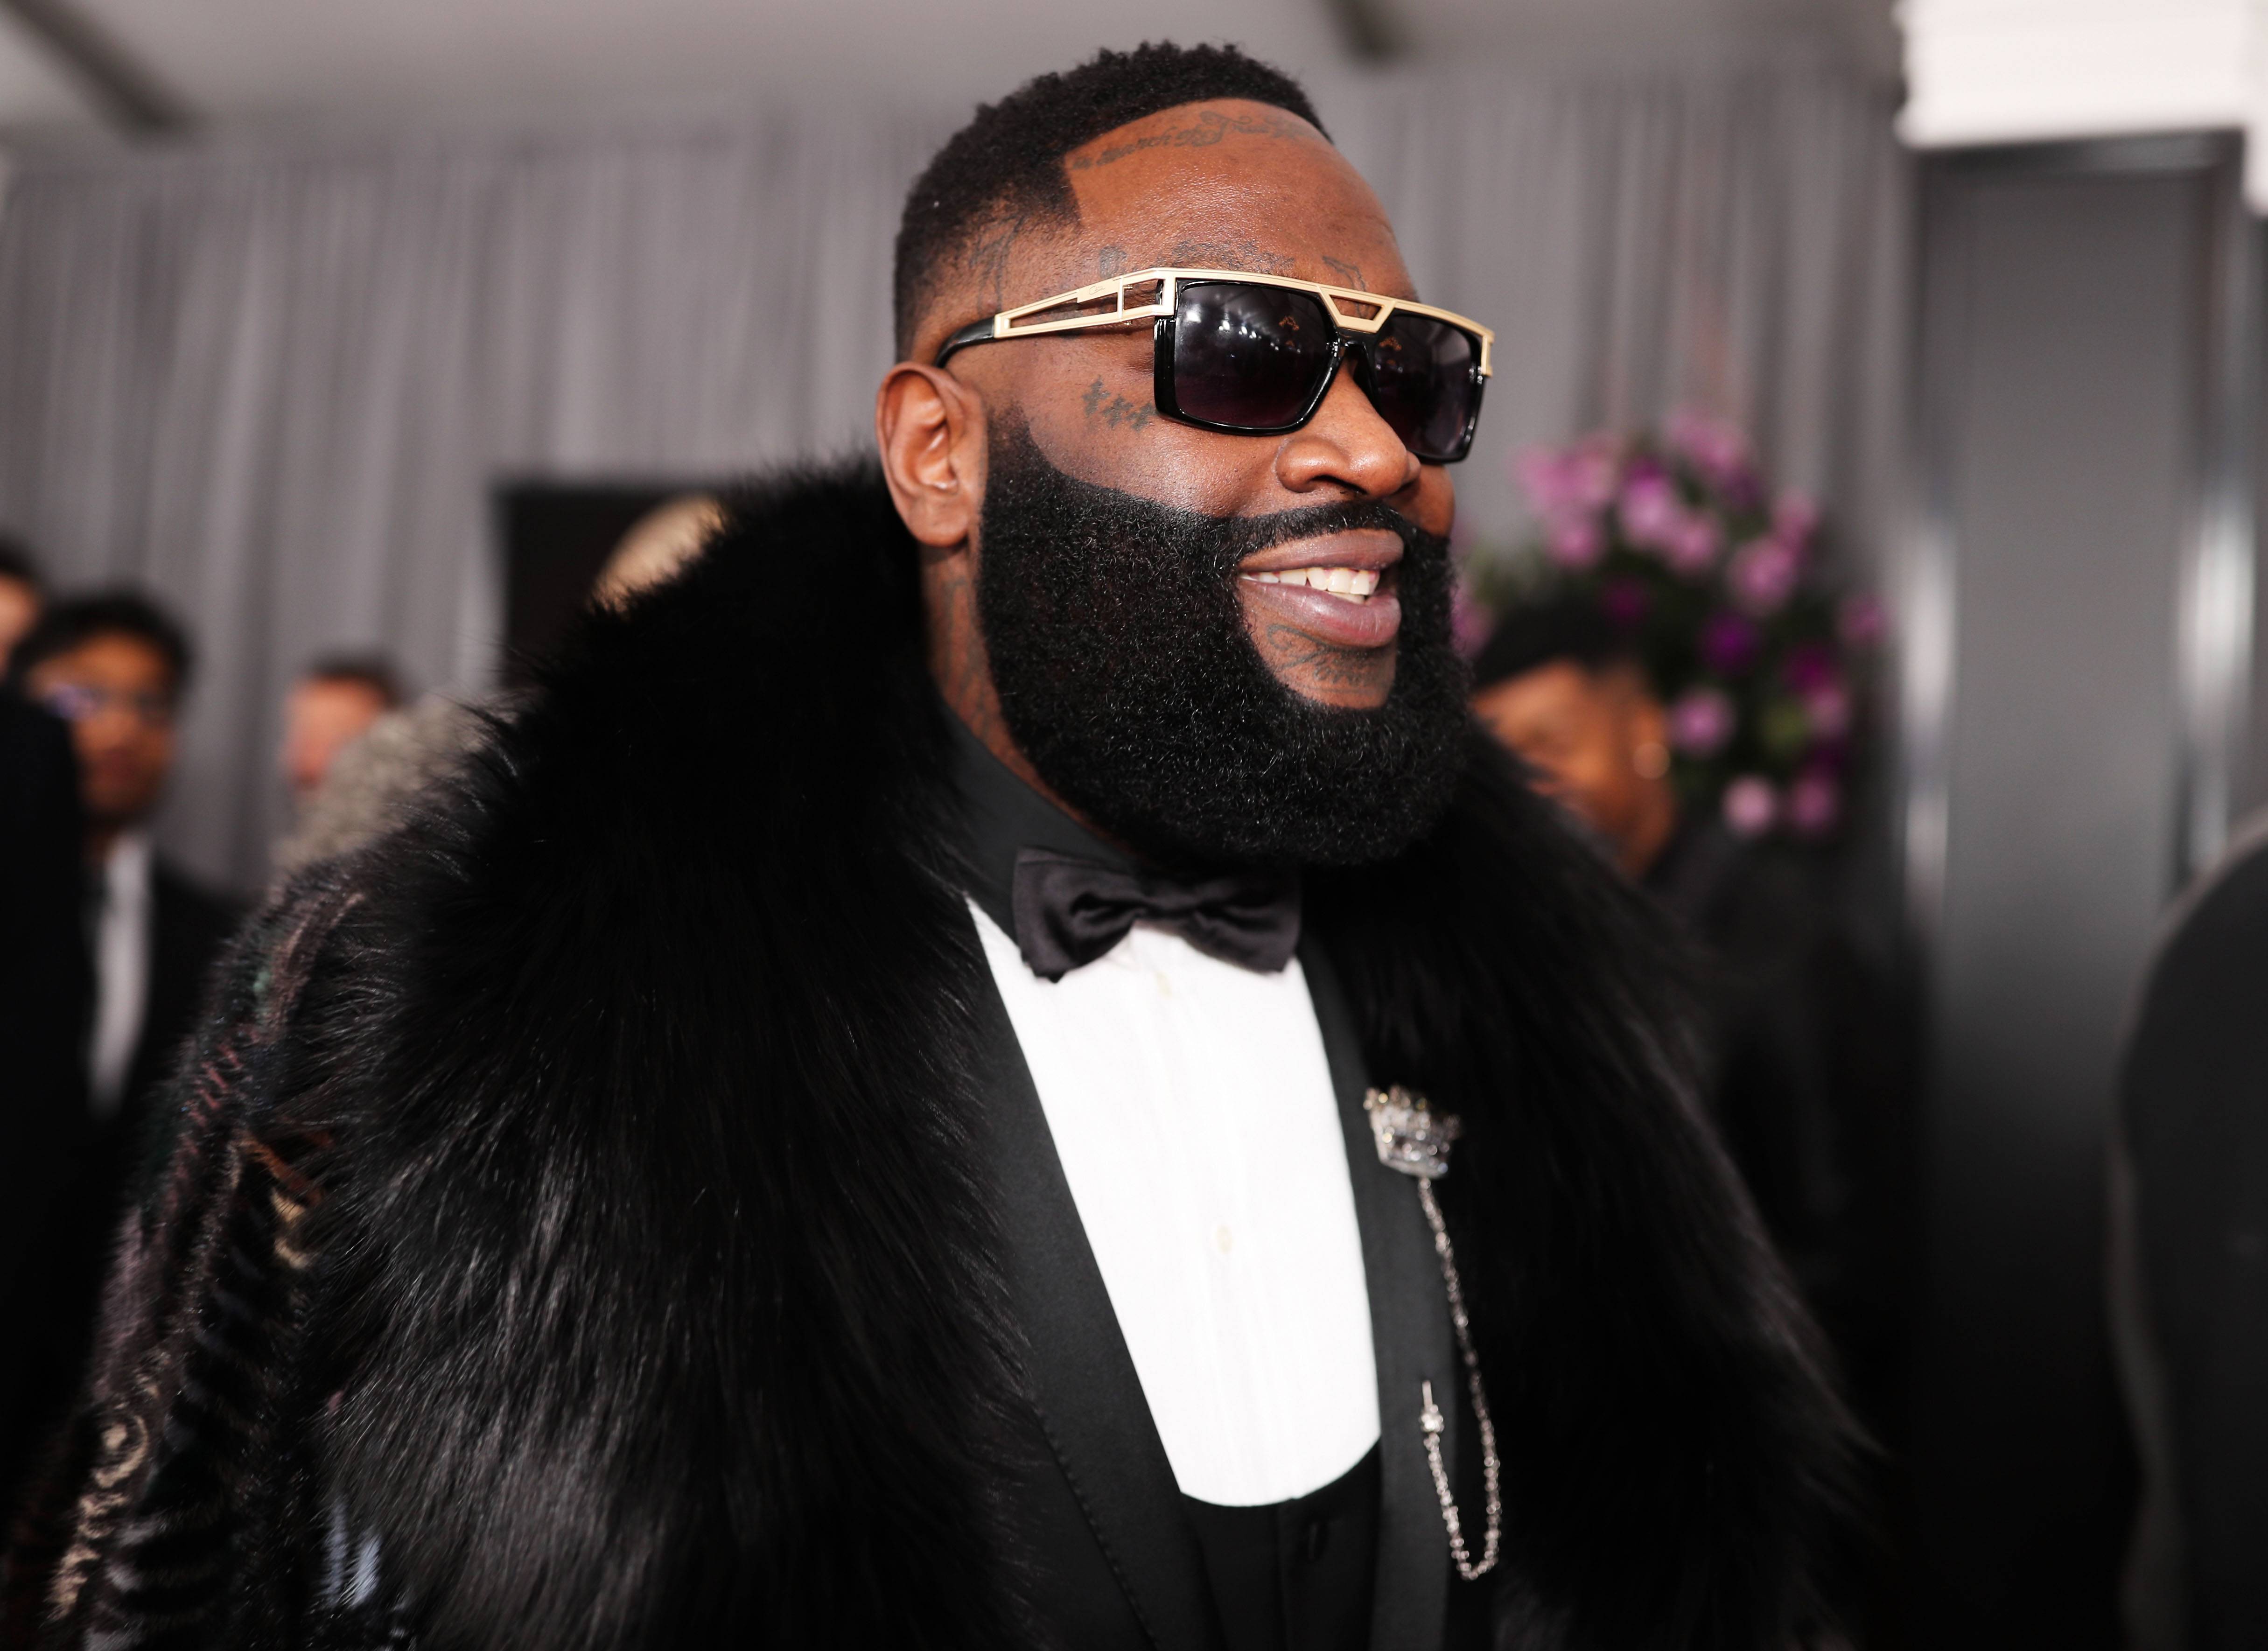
x: 930, y: 427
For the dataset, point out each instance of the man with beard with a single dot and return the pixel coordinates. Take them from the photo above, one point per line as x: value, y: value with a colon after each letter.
x: 1116, y: 1122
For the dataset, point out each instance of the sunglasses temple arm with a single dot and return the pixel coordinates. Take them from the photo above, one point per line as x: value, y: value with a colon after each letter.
x: 975, y: 333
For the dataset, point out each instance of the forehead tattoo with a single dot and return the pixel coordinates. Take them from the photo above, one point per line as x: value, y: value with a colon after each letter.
x: 1206, y: 128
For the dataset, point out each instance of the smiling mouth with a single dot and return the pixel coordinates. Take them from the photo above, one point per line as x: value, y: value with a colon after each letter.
x: 1353, y: 584
x: 1338, y: 590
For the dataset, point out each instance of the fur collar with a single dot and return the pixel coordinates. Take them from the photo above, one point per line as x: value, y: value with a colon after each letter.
x: 657, y: 1280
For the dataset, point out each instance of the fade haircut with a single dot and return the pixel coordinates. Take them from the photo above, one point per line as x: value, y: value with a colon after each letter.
x: 1007, y: 164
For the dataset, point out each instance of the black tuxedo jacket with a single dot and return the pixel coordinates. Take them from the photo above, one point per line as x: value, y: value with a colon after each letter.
x: 610, y: 1214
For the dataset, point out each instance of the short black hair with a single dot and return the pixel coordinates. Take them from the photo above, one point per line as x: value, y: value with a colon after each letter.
x: 1008, y: 160
x: 17, y: 562
x: 1566, y: 628
x: 74, y: 623
x: 374, y: 671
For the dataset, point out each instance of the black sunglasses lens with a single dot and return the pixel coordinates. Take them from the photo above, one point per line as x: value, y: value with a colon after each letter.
x: 1249, y: 358
x: 1424, y: 380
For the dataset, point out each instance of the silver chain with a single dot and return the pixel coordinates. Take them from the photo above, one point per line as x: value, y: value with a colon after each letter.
x: 1432, y: 1421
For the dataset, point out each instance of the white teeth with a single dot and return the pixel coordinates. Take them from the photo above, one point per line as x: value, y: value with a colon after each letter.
x: 1353, y: 584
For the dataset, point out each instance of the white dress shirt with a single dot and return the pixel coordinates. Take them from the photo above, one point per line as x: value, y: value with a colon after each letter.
x: 121, y: 968
x: 1192, y: 1110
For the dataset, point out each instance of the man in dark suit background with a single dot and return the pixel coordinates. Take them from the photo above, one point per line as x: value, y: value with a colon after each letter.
x: 112, y: 669
x: 42, y: 967
x: 44, y: 987
x: 114, y: 666
x: 1808, y: 1047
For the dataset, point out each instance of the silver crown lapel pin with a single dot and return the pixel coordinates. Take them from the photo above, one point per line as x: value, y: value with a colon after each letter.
x: 1414, y: 1139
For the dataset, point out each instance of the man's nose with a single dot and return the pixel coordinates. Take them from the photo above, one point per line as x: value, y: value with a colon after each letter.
x: 1349, y: 444
x: 111, y: 726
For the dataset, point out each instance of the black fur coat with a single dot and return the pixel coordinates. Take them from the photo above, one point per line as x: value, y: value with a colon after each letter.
x: 575, y: 1239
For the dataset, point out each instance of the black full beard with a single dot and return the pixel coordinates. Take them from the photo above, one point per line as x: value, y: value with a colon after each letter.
x: 1126, y: 676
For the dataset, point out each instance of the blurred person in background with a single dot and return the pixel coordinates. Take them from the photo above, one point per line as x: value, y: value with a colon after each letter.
x: 1557, y: 687
x: 44, y: 992
x: 1806, y: 1056
x: 373, y: 784
x: 2188, y: 1265
x: 115, y: 666
x: 332, y: 705
x: 22, y: 593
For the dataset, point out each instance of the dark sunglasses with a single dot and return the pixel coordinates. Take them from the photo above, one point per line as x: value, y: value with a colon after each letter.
x: 1255, y: 355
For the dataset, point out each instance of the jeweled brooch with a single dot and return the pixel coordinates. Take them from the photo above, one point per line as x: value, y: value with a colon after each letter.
x: 1414, y: 1139
x: 1410, y: 1136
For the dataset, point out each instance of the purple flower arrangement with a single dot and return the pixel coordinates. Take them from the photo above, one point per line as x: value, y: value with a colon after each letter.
x: 1717, y: 584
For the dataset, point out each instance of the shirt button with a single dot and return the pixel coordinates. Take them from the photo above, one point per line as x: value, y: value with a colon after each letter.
x: 1165, y: 985
x: 1222, y: 1239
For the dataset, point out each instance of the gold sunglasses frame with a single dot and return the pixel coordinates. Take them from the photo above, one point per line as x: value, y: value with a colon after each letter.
x: 1006, y: 324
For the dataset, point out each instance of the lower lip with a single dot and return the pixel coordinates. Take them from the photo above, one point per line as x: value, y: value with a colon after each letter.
x: 1330, y: 620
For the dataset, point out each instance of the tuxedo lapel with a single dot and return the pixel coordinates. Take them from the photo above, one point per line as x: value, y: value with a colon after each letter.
x: 1081, y: 1379
x: 1412, y: 1342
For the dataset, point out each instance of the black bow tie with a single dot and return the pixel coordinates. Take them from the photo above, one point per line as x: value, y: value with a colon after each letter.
x: 1070, y: 911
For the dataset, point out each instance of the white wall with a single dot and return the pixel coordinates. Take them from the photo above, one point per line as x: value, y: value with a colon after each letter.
x: 1996, y: 71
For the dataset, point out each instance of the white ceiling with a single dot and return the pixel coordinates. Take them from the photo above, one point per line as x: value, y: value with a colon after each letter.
x: 2001, y: 71
x: 239, y: 60
x: 1650, y: 32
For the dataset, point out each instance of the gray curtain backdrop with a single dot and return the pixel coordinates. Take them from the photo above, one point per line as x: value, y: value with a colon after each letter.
x: 275, y: 380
